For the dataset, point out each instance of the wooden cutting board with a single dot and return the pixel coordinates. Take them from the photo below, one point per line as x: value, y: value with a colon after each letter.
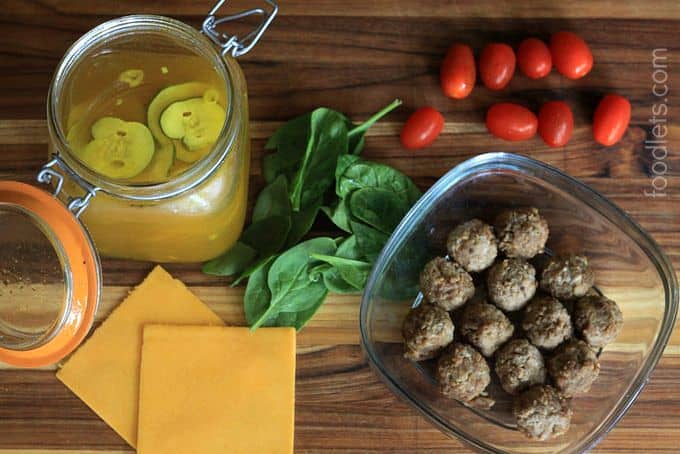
x: 356, y: 56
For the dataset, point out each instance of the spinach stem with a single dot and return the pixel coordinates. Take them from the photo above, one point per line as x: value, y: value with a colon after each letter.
x: 363, y: 127
x: 263, y: 318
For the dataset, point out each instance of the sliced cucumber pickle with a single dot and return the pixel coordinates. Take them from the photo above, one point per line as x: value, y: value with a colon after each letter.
x: 118, y: 149
x: 183, y: 154
x: 159, y: 168
x: 197, y: 121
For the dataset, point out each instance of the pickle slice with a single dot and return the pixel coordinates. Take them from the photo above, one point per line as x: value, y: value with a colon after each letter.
x: 118, y: 149
x: 166, y: 152
x: 184, y: 154
x: 159, y: 168
x: 197, y: 121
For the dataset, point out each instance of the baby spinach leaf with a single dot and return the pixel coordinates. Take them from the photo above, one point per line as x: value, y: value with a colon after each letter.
x: 257, y: 296
x: 275, y: 164
x: 378, y: 208
x: 290, y: 141
x: 252, y: 268
x: 327, y: 141
x: 349, y: 249
x: 302, y: 317
x: 353, y: 173
x: 357, y: 133
x: 335, y: 283
x: 339, y: 214
x: 268, y: 235
x: 273, y: 200
x: 354, y: 272
x: 231, y: 262
x: 292, y: 289
x: 369, y: 240
x: 301, y: 222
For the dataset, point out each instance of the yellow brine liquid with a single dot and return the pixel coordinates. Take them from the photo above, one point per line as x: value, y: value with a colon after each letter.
x: 141, y: 118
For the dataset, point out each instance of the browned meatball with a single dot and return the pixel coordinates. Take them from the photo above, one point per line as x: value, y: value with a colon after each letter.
x: 519, y: 365
x: 427, y: 329
x: 542, y: 412
x: 598, y: 319
x: 446, y: 284
x: 462, y: 373
x: 473, y: 245
x: 485, y: 326
x: 574, y: 367
x: 567, y: 277
x: 511, y: 283
x: 546, y: 322
x: 522, y: 232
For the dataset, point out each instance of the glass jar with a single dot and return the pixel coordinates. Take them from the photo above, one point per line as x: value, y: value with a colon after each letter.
x: 50, y: 273
x: 199, y: 212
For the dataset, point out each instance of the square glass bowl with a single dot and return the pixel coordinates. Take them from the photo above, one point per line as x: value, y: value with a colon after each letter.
x: 629, y: 268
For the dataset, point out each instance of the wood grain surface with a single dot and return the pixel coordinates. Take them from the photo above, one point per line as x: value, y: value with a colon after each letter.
x: 356, y: 56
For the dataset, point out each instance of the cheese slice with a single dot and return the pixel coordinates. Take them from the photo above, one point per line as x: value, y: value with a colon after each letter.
x: 104, y: 371
x: 217, y: 390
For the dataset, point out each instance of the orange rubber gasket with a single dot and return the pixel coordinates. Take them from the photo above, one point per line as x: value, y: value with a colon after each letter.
x: 85, y: 270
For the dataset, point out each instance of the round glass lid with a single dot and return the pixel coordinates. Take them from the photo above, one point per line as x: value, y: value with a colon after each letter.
x: 49, y: 277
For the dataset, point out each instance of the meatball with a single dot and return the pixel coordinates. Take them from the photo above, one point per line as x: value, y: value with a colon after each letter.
x: 446, y: 284
x: 542, y: 412
x: 473, y: 245
x: 567, y: 277
x: 546, y: 322
x: 522, y: 232
x: 485, y: 326
x: 574, y: 367
x: 427, y: 329
x: 511, y: 283
x: 519, y: 365
x: 598, y: 319
x: 462, y: 373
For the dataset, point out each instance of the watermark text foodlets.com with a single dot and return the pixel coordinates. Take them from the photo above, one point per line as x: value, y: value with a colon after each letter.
x: 657, y: 143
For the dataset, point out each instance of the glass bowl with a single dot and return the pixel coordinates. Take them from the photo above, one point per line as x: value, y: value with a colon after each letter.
x: 629, y: 268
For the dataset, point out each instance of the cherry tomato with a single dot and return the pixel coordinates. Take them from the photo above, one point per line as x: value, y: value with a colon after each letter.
x: 611, y: 119
x: 533, y: 58
x: 457, y: 74
x: 555, y: 123
x: 511, y: 121
x: 571, y: 55
x: 422, y: 128
x: 496, y: 65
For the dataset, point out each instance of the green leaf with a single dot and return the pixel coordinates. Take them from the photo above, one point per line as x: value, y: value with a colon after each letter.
x: 339, y: 215
x: 231, y: 262
x: 304, y: 316
x: 252, y: 268
x: 353, y: 173
x: 290, y: 135
x: 290, y: 140
x: 336, y: 284
x: 257, y: 296
x: 327, y: 141
x: 357, y: 133
x: 289, y: 281
x: 354, y: 272
x: 275, y: 164
x: 369, y: 240
x: 378, y: 208
x: 267, y: 236
x: 273, y: 200
x: 349, y: 249
x: 301, y: 223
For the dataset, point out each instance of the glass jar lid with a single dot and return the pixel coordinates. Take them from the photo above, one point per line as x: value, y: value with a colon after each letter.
x: 50, y: 277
